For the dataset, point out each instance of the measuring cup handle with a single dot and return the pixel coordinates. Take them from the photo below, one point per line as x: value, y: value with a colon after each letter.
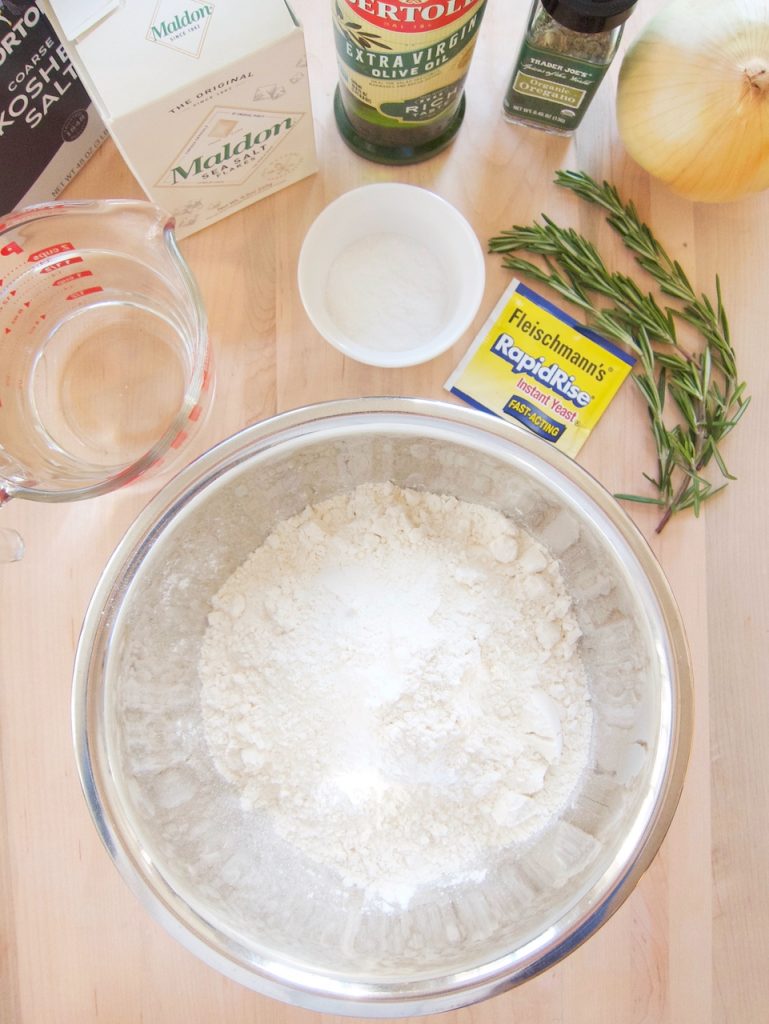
x: 11, y: 543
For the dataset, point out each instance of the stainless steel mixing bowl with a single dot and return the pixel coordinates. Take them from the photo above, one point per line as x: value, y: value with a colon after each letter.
x: 232, y: 891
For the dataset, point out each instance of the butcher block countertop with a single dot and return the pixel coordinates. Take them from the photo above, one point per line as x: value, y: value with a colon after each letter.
x: 691, y: 943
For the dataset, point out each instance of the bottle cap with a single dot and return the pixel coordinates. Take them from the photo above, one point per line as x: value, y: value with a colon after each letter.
x: 589, y: 15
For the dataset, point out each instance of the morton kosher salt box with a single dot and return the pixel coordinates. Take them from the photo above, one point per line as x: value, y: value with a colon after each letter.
x: 48, y: 125
x: 209, y: 103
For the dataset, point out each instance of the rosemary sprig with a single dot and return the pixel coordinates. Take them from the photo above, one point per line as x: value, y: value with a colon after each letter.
x: 702, y: 386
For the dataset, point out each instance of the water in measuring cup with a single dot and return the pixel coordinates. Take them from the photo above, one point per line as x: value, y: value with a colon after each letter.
x: 108, y: 384
x: 93, y: 387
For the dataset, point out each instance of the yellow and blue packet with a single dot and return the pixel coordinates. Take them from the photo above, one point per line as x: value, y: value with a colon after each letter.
x: 535, y: 365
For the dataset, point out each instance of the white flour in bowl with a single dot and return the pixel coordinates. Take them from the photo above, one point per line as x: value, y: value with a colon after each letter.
x: 393, y: 679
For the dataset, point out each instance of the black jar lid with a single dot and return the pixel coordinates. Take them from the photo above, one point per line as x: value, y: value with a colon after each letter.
x: 589, y: 15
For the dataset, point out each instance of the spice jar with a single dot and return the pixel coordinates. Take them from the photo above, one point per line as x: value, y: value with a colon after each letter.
x: 402, y: 71
x: 567, y: 49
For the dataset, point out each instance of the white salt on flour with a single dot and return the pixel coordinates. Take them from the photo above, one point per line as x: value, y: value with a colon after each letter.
x: 393, y: 679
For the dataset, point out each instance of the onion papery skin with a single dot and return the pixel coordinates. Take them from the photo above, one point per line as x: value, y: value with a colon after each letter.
x: 693, y: 99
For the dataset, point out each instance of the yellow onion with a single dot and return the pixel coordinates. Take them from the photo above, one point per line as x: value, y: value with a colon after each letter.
x: 693, y: 98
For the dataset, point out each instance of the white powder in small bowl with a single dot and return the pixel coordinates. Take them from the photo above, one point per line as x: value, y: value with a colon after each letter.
x: 387, y: 292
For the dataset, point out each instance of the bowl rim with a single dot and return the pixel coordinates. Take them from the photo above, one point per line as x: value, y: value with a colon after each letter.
x: 473, y: 274
x: 316, y: 990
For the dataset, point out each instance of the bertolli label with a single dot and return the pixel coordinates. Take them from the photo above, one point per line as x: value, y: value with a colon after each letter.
x: 410, y: 15
x: 407, y: 60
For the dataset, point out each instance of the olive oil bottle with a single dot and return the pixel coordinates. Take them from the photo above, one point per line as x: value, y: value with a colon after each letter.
x: 402, y: 70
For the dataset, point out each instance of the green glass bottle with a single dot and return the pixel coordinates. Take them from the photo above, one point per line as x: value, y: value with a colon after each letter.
x: 402, y: 71
x: 567, y: 49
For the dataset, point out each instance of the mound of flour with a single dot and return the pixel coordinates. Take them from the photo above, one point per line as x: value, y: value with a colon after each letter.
x: 393, y: 679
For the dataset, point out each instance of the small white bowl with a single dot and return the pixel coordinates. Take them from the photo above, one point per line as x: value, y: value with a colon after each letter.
x: 391, y: 274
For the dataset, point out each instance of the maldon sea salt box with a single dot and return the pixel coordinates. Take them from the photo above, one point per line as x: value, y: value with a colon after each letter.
x: 208, y: 103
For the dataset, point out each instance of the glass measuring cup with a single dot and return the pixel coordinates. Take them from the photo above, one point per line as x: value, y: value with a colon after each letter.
x: 104, y: 357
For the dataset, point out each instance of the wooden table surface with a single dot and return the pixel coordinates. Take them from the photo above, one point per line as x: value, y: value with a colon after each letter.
x: 690, y: 946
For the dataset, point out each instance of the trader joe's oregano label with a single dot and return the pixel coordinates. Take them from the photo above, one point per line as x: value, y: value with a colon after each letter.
x: 551, y: 88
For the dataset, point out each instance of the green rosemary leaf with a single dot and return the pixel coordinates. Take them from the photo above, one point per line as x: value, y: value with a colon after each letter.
x: 646, y: 386
x: 641, y: 499
x: 719, y: 460
x: 742, y: 405
x: 722, y: 318
x: 662, y: 380
x: 687, y: 384
x: 706, y: 368
x: 671, y: 361
x: 686, y: 407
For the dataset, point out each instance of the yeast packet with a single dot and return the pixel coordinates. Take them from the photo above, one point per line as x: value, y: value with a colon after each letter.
x: 535, y: 365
